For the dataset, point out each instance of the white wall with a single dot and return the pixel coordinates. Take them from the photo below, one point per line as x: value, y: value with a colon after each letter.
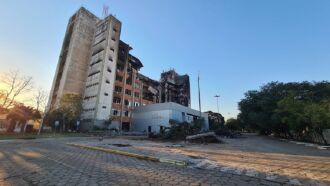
x: 155, y: 119
x: 156, y: 115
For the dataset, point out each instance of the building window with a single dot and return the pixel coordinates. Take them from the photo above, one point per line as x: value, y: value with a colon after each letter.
x: 126, y: 113
x: 116, y: 100
x: 137, y: 104
x: 112, y: 49
x: 120, y: 67
x: 89, y: 97
x: 136, y: 94
x: 119, y: 78
x: 93, y: 73
x: 109, y: 70
x: 103, y: 39
x: 104, y: 107
x: 107, y: 81
x: 89, y: 110
x: 128, y: 92
x: 106, y: 94
x: 118, y: 89
x: 97, y: 51
x: 115, y: 112
x: 128, y: 81
x: 96, y: 62
x: 91, y: 85
x: 127, y: 103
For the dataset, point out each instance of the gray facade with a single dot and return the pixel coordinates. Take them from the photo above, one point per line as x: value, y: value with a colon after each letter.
x: 152, y: 118
x: 101, y: 75
x: 73, y: 62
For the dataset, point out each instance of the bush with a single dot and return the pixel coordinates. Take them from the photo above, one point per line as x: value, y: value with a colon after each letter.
x: 181, y: 130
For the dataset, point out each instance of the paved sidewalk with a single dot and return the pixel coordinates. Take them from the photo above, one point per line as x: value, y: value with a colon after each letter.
x: 255, y: 156
x: 52, y: 162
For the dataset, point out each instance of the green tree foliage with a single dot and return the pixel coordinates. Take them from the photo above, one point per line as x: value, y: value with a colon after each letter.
x: 21, y: 114
x: 181, y: 130
x: 67, y: 114
x: 287, y: 109
x: 233, y: 124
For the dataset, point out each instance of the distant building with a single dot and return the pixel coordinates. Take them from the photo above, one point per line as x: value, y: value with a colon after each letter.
x: 174, y: 88
x: 155, y: 117
x: 97, y: 65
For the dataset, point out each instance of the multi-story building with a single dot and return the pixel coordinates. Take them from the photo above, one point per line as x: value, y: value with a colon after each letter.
x: 99, y: 84
x: 97, y: 65
x: 73, y: 62
x: 174, y: 88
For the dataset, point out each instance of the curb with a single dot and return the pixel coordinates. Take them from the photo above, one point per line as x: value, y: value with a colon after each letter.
x: 134, y: 155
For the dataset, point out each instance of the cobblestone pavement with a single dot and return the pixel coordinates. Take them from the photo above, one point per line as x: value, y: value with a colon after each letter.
x: 271, y: 158
x: 255, y: 156
x: 52, y: 162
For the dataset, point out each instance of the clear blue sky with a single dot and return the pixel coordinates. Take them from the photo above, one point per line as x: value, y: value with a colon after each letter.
x: 237, y: 45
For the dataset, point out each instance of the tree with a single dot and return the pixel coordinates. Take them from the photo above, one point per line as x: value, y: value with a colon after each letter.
x: 295, y: 110
x: 318, y: 116
x: 21, y: 114
x: 233, y: 124
x: 216, y: 120
x: 304, y: 117
x: 40, y: 99
x: 68, y: 112
x: 52, y: 116
x: 179, y: 130
x: 16, y: 85
x: 2, y: 109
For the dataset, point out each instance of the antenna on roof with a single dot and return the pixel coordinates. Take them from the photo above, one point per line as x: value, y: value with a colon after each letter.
x: 105, y: 11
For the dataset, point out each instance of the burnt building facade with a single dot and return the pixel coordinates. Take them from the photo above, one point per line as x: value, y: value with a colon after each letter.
x: 174, y: 88
x: 95, y: 64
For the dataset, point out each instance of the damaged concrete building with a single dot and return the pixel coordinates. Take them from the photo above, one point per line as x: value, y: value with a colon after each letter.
x: 95, y: 64
x: 174, y: 88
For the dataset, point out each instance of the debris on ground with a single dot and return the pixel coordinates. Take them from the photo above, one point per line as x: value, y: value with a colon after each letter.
x: 208, y: 137
x: 175, y: 145
x: 228, y: 133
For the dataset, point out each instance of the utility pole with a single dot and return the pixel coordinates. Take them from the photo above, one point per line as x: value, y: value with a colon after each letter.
x: 199, y: 98
x: 217, y: 96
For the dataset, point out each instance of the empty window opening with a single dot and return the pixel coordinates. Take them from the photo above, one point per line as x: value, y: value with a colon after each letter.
x: 128, y: 92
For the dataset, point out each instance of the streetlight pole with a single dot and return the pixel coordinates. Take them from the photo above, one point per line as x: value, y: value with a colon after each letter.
x: 217, y: 96
x: 199, y: 98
